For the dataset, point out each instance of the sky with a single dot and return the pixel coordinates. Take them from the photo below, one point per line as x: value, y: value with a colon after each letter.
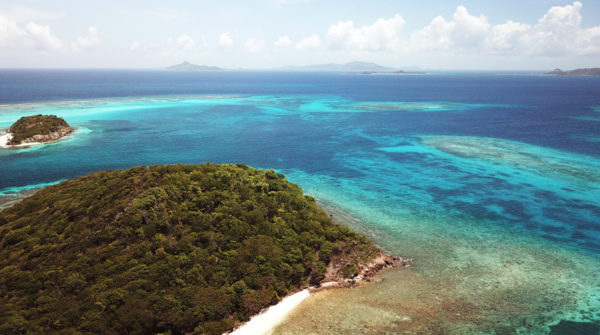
x: 260, y: 34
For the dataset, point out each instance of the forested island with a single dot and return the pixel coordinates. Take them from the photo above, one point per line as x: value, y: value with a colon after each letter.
x: 37, y: 129
x: 181, y: 249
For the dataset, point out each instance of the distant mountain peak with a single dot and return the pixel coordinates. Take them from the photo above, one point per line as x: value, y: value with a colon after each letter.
x: 187, y: 66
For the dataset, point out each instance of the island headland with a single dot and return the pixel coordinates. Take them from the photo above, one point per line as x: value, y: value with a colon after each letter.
x: 36, y: 129
x: 595, y: 71
x: 194, y: 249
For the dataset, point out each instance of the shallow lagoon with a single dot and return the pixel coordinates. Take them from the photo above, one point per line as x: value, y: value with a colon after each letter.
x: 495, y: 194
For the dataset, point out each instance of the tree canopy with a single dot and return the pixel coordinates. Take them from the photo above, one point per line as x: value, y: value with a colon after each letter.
x: 164, y: 249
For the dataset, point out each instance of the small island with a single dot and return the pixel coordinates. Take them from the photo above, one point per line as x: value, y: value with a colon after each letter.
x: 36, y: 129
x: 187, y: 66
x: 399, y: 72
x: 352, y: 67
x: 180, y: 249
x: 595, y: 71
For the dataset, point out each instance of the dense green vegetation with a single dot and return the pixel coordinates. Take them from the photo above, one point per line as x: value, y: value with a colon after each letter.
x: 29, y: 126
x: 165, y: 249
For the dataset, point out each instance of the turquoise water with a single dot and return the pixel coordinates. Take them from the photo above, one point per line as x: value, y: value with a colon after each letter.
x: 492, y: 183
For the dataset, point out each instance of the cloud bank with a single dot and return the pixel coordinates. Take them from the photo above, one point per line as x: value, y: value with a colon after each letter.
x: 384, y: 34
x: 31, y: 36
x: 558, y: 32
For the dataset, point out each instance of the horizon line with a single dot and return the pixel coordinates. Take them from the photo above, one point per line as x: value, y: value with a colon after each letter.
x: 278, y: 69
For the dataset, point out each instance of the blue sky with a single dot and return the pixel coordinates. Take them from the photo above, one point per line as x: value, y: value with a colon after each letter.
x: 470, y: 35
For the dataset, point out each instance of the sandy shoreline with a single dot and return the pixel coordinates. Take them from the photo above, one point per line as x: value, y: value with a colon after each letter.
x: 267, y: 320
x: 5, y: 137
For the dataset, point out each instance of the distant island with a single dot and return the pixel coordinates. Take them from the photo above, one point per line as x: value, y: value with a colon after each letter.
x: 387, y: 72
x: 36, y: 129
x: 595, y: 71
x: 180, y: 249
x: 347, y: 67
x: 187, y: 66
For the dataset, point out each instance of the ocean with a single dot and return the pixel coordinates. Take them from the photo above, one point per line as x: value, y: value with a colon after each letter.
x: 490, y: 181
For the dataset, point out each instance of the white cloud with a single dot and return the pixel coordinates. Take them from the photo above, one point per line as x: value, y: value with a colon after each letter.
x: 11, y: 35
x: 559, y: 19
x: 254, y: 44
x: 225, y: 40
x: 557, y: 33
x: 384, y: 34
x: 464, y: 32
x: 86, y: 42
x: 182, y: 43
x: 283, y: 41
x: 589, y: 41
x: 41, y: 38
x: 509, y: 36
x: 311, y: 42
x: 32, y: 36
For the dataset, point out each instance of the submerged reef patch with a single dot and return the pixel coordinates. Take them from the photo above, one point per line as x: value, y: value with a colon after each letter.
x: 409, y: 106
x: 499, y: 151
x: 467, y: 278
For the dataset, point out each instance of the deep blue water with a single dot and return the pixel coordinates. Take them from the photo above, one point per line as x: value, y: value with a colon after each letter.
x: 517, y: 152
x: 546, y: 102
x: 545, y: 111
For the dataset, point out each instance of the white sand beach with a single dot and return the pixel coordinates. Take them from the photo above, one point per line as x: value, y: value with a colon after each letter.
x: 266, y: 321
x: 4, y: 138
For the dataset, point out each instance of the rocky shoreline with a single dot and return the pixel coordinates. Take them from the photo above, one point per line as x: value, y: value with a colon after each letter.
x: 47, y: 138
x: 6, y: 139
x: 366, y: 274
x: 272, y: 316
x: 35, y: 129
